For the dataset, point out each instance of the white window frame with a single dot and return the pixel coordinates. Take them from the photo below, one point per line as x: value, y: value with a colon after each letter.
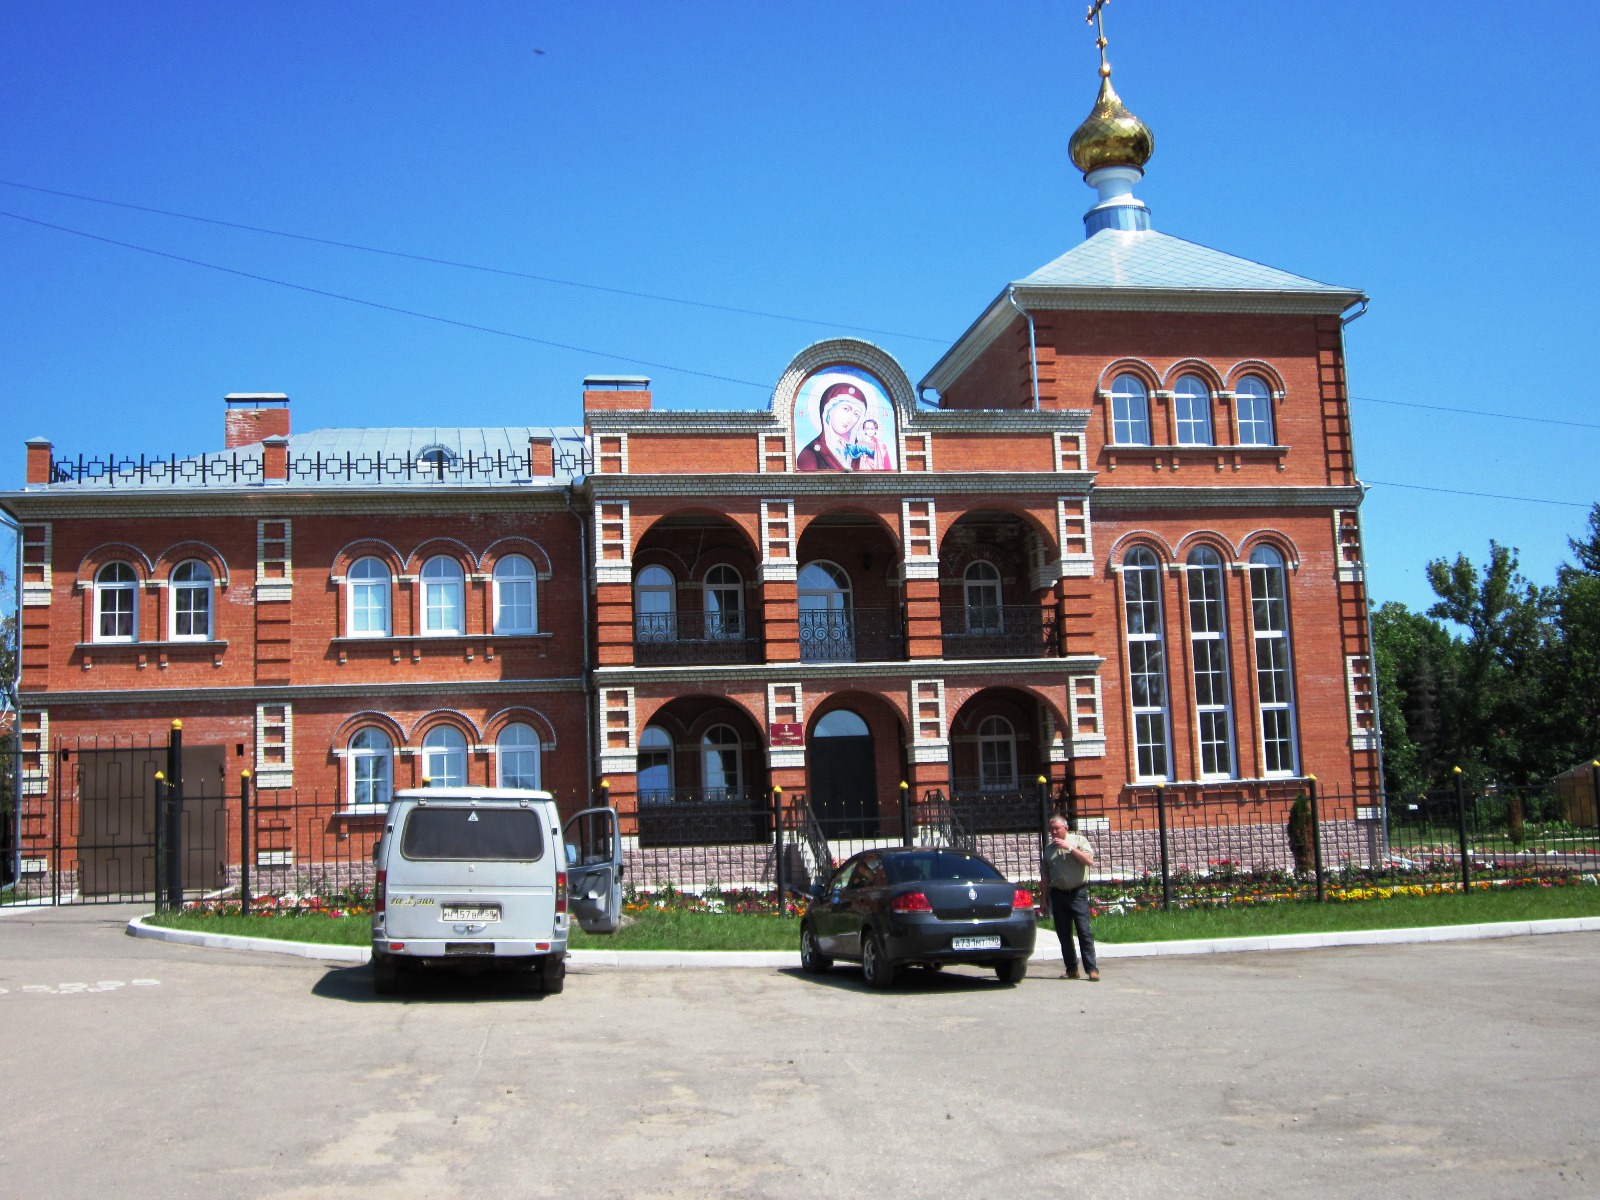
x: 995, y: 733
x: 661, y: 624
x: 1208, y: 644
x: 123, y: 588
x: 525, y: 747
x: 654, y: 740
x: 443, y: 580
x: 370, y: 765
x: 440, y: 745
x: 723, y: 603
x: 360, y: 592
x: 731, y: 745
x: 1130, y: 427
x: 1275, y: 702
x: 1151, y: 724
x: 1191, y: 411
x: 180, y: 588
x: 983, y: 576
x: 1260, y: 415
x: 509, y: 578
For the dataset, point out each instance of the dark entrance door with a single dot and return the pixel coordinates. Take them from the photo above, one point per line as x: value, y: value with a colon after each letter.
x: 844, y: 774
x: 117, y: 820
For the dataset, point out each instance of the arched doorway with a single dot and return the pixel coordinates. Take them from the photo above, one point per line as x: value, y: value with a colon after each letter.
x: 843, y: 773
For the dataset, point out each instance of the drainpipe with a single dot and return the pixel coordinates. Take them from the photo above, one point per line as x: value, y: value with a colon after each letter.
x: 1033, y: 345
x: 588, y: 674
x: 13, y: 524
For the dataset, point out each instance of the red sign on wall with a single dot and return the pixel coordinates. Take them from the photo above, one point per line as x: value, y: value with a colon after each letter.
x: 786, y: 733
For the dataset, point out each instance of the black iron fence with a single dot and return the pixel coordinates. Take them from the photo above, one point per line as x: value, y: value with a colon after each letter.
x: 999, y: 631
x: 852, y: 635
x: 667, y: 639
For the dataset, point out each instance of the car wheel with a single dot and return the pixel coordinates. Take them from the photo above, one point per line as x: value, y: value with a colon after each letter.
x: 385, y: 973
x: 812, y: 960
x: 1011, y: 972
x: 876, y: 968
x: 553, y: 975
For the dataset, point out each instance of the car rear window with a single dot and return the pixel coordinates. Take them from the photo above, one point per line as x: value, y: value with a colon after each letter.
x: 473, y: 835
x: 937, y: 864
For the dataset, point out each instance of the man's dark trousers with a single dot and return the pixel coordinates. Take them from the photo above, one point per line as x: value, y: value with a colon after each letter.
x: 1069, y: 908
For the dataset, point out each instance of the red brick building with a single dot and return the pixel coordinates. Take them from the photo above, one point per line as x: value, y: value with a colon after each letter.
x: 1110, y: 540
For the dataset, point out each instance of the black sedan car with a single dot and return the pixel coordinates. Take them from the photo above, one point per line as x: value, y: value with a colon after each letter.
x: 893, y: 908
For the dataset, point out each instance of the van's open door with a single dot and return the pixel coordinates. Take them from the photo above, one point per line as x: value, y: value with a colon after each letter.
x: 594, y: 869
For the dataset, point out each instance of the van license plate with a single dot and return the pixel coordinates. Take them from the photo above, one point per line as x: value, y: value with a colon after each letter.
x: 477, y: 912
x: 976, y: 943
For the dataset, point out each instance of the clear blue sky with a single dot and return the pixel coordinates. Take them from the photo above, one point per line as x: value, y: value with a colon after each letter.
x: 880, y: 166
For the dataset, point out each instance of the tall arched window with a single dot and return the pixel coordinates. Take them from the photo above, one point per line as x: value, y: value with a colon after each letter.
x: 371, y: 769
x: 1147, y: 663
x: 997, y: 755
x: 116, y: 603
x: 1191, y: 401
x: 722, y: 763
x: 1269, y: 613
x: 655, y: 605
x: 981, y: 590
x: 827, y: 628
x: 1130, y: 411
x: 443, y: 609
x: 1208, y: 644
x: 1252, y: 401
x: 191, y: 601
x: 516, y: 753
x: 724, y: 604
x: 515, y: 596
x: 368, y: 583
x: 655, y: 766
x: 444, y: 757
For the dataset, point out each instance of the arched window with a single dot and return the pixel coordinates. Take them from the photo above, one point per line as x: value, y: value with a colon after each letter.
x: 116, y: 603
x: 997, y: 755
x: 1269, y: 613
x: 1147, y: 663
x: 516, y: 753
x: 191, y: 601
x: 1208, y: 644
x: 655, y: 766
x: 369, y: 598
x: 444, y: 757
x: 1191, y: 401
x: 371, y: 769
x: 515, y: 596
x: 827, y: 628
x: 1130, y: 411
x: 655, y: 605
x: 435, y: 462
x: 722, y: 763
x: 724, y: 604
x: 443, y: 611
x: 1252, y: 401
x: 981, y: 589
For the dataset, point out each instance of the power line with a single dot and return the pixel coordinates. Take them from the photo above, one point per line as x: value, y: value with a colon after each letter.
x: 467, y: 266
x: 1418, y: 487
x: 407, y: 312
x: 1478, y: 412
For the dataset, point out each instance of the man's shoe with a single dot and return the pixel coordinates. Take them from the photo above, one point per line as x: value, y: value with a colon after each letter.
x: 1069, y: 974
x: 1094, y: 976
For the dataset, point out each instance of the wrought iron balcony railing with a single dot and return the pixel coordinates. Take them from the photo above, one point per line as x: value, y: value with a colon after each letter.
x: 851, y: 635
x: 668, y: 639
x: 1000, y: 631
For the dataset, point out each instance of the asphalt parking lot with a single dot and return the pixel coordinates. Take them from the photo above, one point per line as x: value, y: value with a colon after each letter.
x: 142, y: 1069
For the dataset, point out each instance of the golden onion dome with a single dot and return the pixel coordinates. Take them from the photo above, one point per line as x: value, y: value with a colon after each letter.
x: 1110, y: 135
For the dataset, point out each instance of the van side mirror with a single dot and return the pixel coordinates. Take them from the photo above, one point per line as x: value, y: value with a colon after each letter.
x: 572, y: 855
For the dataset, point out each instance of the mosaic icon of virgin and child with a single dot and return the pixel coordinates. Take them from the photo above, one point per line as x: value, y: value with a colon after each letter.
x: 843, y: 425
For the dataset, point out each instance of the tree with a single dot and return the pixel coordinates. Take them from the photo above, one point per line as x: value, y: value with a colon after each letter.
x: 1574, y: 673
x: 1418, y: 666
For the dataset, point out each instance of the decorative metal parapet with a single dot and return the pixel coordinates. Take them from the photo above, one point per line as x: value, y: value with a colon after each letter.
x: 667, y: 639
x: 852, y: 635
x: 1000, y: 631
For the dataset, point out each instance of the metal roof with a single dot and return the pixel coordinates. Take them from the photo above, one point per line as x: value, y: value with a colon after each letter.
x: 1117, y: 258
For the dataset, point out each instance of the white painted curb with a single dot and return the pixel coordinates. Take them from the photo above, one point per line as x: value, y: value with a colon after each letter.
x: 1048, y: 951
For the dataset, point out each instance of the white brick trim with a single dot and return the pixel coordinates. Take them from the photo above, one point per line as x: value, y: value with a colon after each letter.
x: 779, y: 545
x: 619, y: 743
x: 1088, y: 716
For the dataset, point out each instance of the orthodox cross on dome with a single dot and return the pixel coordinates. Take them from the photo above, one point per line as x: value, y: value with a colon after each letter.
x: 1096, y: 17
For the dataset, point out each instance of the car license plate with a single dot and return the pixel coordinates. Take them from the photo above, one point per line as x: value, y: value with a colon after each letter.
x: 992, y: 942
x: 475, y: 912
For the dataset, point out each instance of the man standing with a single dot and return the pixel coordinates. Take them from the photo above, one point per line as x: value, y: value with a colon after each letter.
x: 1066, y: 861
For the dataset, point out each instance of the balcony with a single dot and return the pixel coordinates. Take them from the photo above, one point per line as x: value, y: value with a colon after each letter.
x: 679, y: 639
x: 1001, y: 631
x: 998, y: 805
x: 851, y: 635
x: 704, y: 816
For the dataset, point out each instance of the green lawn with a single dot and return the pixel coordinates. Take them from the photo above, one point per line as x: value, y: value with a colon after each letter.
x: 674, y: 930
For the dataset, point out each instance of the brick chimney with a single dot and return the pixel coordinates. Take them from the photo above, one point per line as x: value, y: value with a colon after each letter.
x: 616, y: 393
x: 39, y: 451
x: 541, y: 456
x: 253, y: 417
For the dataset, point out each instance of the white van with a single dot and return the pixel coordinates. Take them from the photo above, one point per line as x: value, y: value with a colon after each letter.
x: 478, y: 877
